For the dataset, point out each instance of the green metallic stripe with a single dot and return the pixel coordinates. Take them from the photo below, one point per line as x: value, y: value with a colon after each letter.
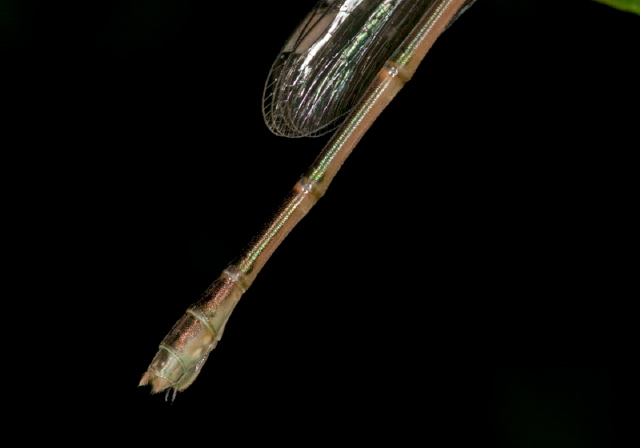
x: 406, y: 51
x: 318, y: 170
x: 246, y: 264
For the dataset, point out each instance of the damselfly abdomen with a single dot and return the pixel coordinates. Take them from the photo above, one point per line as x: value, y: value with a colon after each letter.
x: 341, y: 68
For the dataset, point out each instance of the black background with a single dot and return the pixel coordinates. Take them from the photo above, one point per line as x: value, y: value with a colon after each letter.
x: 461, y: 281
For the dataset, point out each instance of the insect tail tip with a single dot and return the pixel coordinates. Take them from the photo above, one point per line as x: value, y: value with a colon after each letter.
x: 157, y: 383
x: 145, y: 379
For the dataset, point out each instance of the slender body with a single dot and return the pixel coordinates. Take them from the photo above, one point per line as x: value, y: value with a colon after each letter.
x: 300, y: 99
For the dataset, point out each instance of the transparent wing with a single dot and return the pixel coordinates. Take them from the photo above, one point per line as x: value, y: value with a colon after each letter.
x: 330, y: 60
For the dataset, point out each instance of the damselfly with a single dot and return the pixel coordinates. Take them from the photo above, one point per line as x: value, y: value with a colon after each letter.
x: 340, y: 68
